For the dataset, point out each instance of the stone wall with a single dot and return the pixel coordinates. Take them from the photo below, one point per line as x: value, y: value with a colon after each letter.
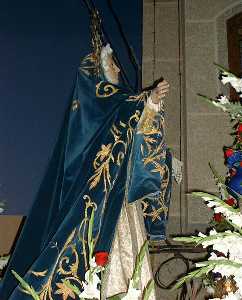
x: 161, y: 29
x: 190, y: 35
x: 208, y: 128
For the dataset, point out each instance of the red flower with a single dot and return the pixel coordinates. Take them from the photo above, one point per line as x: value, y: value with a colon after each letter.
x: 220, y: 254
x: 239, y: 128
x: 101, y: 258
x: 240, y: 163
x: 230, y: 201
x: 228, y: 152
x: 217, y: 217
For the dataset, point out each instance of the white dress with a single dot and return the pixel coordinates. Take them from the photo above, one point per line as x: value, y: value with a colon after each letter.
x: 130, y: 236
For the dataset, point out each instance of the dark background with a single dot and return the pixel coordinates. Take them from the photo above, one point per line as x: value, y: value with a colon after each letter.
x: 41, y: 43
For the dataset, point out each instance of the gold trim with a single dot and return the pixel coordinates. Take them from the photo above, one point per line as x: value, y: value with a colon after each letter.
x: 105, y: 90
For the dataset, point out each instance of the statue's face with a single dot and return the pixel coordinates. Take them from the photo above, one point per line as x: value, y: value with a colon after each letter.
x: 112, y: 71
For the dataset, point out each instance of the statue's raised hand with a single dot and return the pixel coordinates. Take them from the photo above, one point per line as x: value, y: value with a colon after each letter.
x: 160, y: 91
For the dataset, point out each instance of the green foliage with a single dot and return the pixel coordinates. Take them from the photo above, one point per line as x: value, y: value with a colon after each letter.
x: 90, y: 238
x: 198, y: 273
x: 25, y: 286
x: 234, y: 110
x: 148, y: 290
x: 199, y: 240
x: 138, y: 264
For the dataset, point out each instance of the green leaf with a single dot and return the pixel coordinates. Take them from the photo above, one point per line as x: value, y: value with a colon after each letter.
x: 90, y: 238
x: 200, y: 240
x: 148, y: 290
x: 219, y: 178
x: 116, y: 297
x: 211, y: 197
x: 138, y: 264
x: 194, y: 274
x: 221, y: 68
x: 234, y: 110
x: 25, y: 286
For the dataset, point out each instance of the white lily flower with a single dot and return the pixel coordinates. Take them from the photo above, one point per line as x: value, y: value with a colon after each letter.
x: 201, y: 234
x: 234, y: 81
x: 226, y: 270
x: 95, y: 279
x: 223, y: 99
x: 213, y: 232
x: 90, y: 292
x: 210, y: 203
x: 132, y: 294
x: 92, y: 263
x: 226, y: 78
x: 200, y: 264
x: 90, y: 288
x: 236, y: 219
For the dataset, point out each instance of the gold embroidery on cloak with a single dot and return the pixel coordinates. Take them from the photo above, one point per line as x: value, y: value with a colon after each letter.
x: 153, y: 151
x: 101, y: 166
x: 104, y: 90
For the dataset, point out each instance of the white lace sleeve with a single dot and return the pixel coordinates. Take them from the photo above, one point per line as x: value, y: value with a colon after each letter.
x: 154, y: 106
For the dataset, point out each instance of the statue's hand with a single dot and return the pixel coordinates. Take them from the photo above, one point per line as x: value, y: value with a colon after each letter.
x: 160, y: 91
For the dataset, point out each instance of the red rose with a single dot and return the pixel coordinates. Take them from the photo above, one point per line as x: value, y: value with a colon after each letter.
x: 101, y: 258
x: 239, y: 128
x: 228, y: 152
x: 230, y: 201
x: 217, y: 217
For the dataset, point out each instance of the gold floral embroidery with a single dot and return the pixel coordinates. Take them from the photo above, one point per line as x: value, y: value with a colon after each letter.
x: 153, y: 152
x: 114, y: 153
x: 40, y: 274
x: 67, y: 265
x: 106, y: 155
x: 149, y: 123
x: 65, y: 291
x: 141, y: 97
x: 104, y: 90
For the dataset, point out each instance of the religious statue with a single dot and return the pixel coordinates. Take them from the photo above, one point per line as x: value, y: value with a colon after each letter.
x: 111, y: 156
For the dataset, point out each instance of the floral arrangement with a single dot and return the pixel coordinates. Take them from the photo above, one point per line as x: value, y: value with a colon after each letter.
x: 91, y: 286
x: 222, y: 271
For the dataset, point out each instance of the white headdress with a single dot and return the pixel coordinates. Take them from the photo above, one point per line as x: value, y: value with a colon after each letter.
x: 105, y: 53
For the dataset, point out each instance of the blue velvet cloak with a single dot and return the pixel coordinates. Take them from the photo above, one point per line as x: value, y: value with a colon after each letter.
x: 111, y: 149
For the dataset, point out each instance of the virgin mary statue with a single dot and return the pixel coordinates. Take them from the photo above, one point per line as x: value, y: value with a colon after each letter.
x: 110, y: 158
